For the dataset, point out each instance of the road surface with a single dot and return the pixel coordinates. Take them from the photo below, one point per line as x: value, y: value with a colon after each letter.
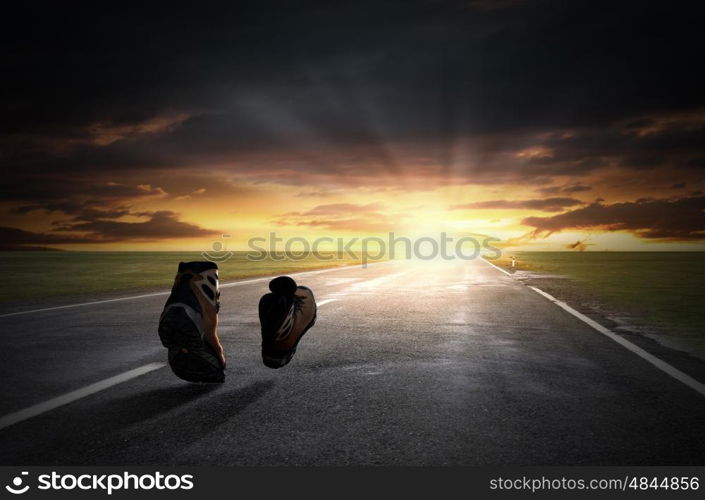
x: 408, y: 364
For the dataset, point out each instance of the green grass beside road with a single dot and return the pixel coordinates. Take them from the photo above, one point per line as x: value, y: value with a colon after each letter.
x: 36, y: 275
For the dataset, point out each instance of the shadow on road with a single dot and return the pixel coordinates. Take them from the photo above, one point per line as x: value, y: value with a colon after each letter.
x: 147, y: 427
x: 148, y: 404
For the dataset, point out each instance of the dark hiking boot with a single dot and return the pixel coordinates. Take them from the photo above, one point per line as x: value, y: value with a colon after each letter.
x: 286, y: 315
x: 188, y: 326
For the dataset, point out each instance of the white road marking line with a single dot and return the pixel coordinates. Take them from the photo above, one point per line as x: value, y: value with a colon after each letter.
x: 496, y: 267
x: 645, y: 355
x: 157, y: 294
x: 30, y: 311
x: 72, y: 396
x: 658, y: 363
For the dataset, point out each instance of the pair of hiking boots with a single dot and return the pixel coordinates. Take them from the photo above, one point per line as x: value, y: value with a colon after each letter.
x: 188, y: 326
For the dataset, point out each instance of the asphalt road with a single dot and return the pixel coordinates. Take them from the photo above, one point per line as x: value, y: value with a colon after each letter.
x: 425, y: 363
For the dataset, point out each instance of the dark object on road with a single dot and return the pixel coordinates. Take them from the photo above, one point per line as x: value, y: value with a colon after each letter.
x: 188, y: 326
x: 286, y: 315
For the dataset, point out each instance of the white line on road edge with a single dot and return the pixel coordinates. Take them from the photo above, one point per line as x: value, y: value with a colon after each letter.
x: 496, y: 267
x: 645, y: 355
x: 157, y: 294
x: 658, y: 363
x: 72, y: 396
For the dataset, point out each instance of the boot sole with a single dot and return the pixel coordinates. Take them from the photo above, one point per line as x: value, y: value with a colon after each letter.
x: 190, y: 358
x: 275, y: 362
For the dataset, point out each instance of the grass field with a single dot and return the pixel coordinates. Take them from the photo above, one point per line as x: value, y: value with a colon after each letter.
x: 37, y: 275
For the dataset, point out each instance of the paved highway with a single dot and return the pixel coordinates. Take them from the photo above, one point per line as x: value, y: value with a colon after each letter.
x: 409, y: 364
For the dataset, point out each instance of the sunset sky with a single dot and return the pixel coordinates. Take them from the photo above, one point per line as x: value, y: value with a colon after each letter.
x: 551, y: 125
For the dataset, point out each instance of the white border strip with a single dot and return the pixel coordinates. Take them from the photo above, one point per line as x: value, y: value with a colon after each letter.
x: 658, y: 363
x: 157, y: 294
x: 72, y: 396
x: 496, y: 267
x: 646, y: 356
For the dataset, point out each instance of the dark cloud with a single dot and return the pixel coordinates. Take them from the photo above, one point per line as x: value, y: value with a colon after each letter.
x: 680, y: 219
x: 343, y: 208
x: 159, y: 225
x: 493, y: 4
x: 546, y: 205
x: 66, y: 190
x: 90, y: 211
x: 354, y: 94
x: 575, y: 188
x: 273, y: 75
x: 12, y: 236
x: 672, y: 144
x: 79, y: 210
x: 156, y: 226
x: 343, y: 217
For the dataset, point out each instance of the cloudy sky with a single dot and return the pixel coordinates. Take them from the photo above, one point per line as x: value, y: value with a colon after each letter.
x: 549, y: 124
